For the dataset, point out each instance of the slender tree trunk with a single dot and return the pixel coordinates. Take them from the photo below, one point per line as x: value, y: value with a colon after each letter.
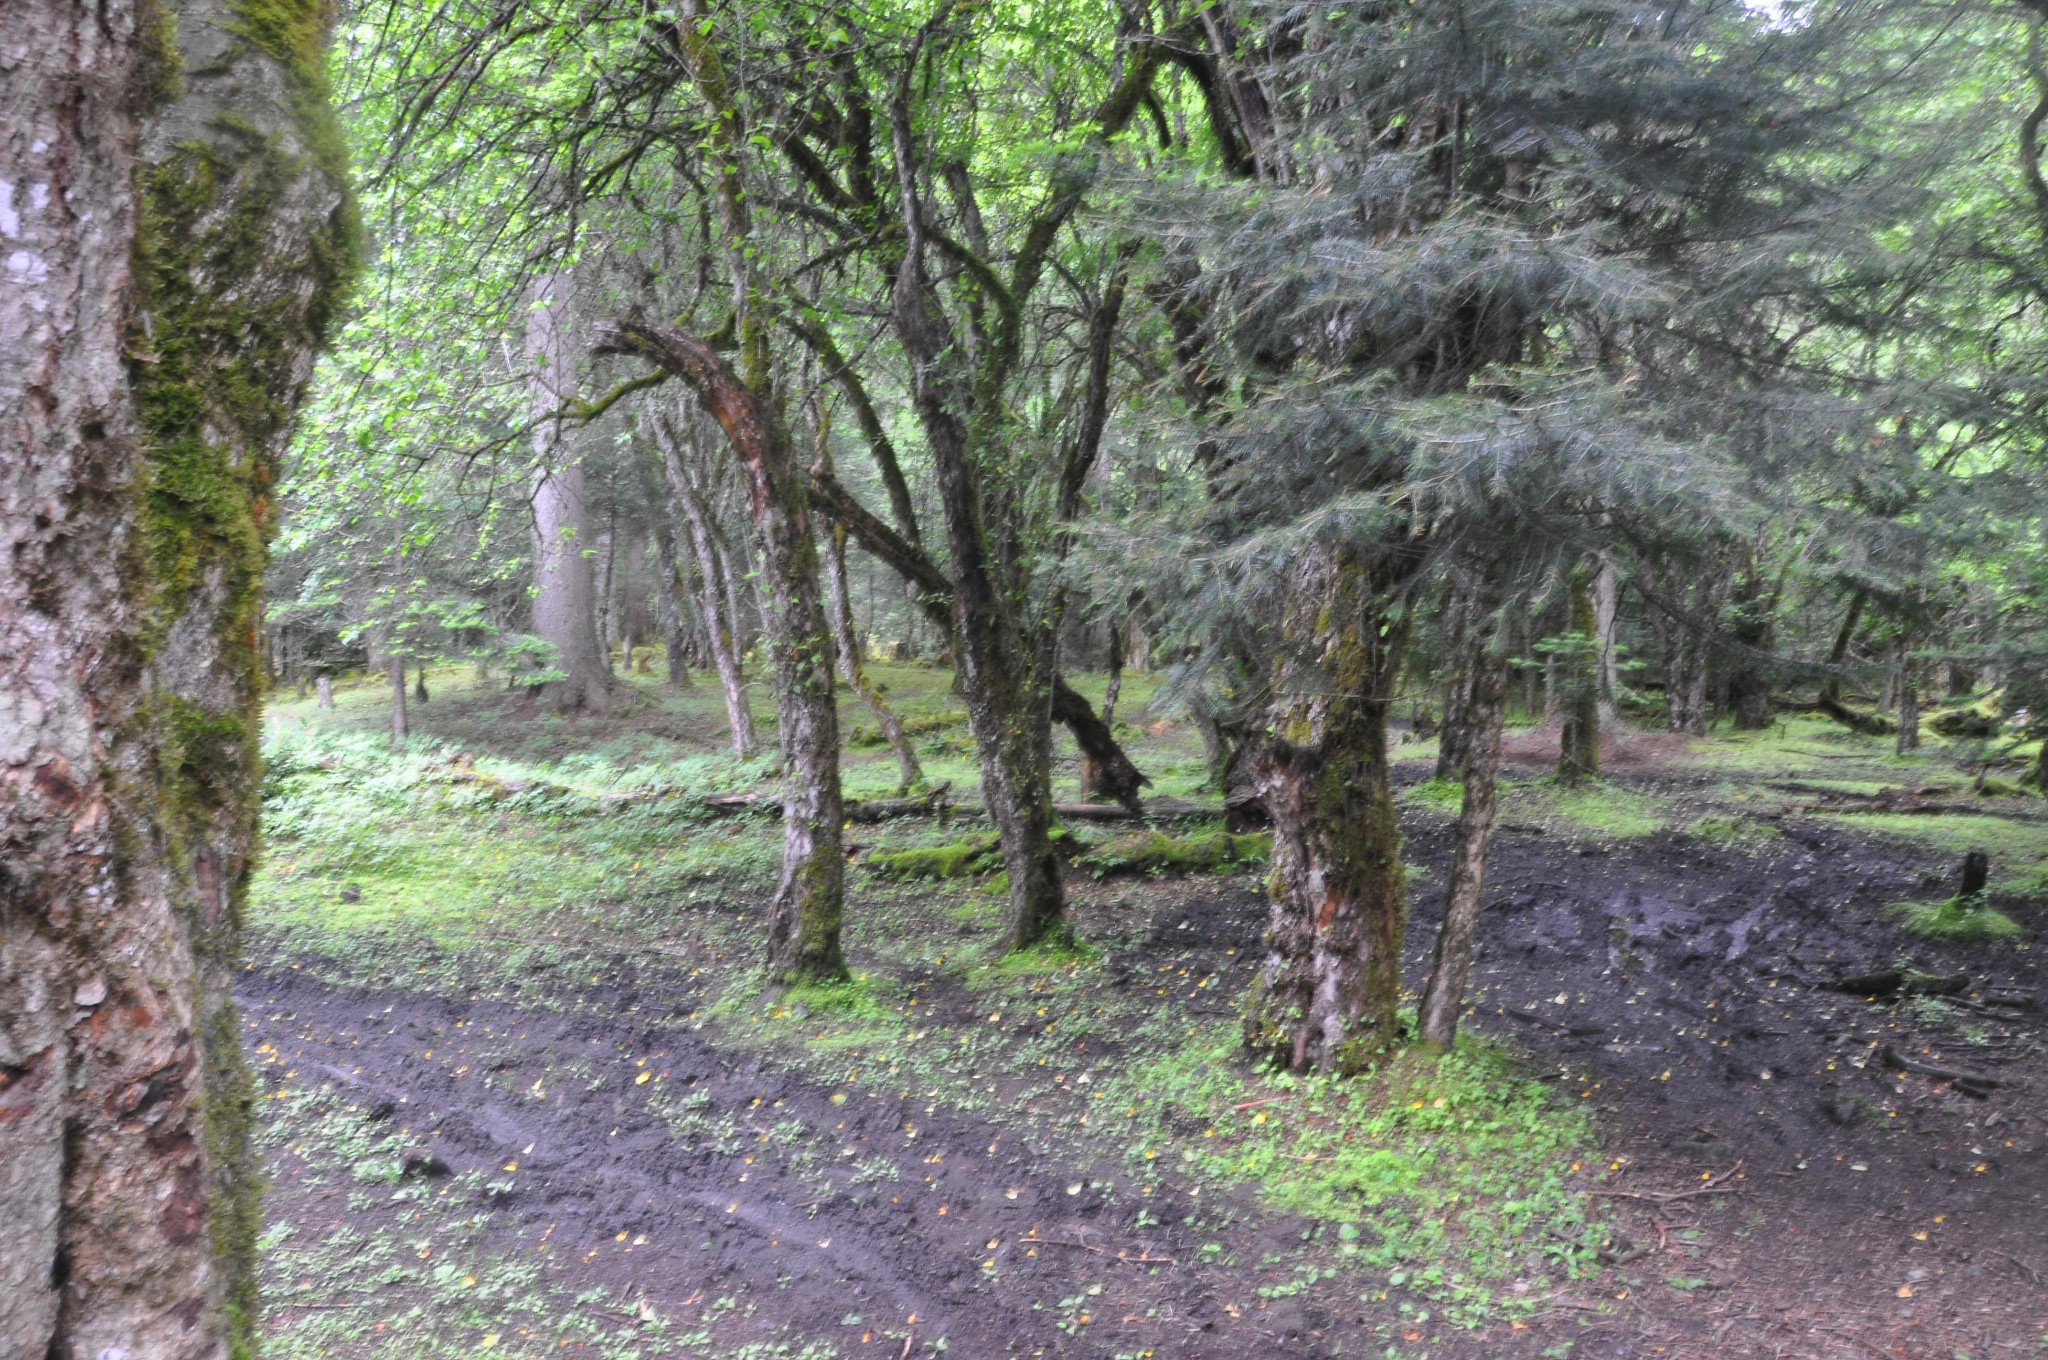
x: 1838, y: 655
x: 395, y: 675
x: 565, y: 597
x: 909, y: 773
x: 668, y: 590
x: 1328, y: 994
x: 1454, y: 731
x: 1091, y: 768
x: 323, y: 687
x: 174, y: 253
x: 1907, y: 686
x: 712, y: 602
x: 1606, y: 612
x: 1578, y: 752
x: 1443, y: 997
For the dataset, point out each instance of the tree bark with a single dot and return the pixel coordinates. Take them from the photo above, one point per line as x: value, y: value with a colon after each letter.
x: 668, y: 586
x: 1908, y: 688
x: 1578, y: 746
x: 1606, y: 613
x: 177, y: 237
x: 1838, y: 655
x: 565, y: 594
x: 1327, y: 996
x: 323, y: 689
x: 713, y: 603
x: 804, y: 917
x: 1485, y: 703
x: 909, y: 773
x: 1454, y: 732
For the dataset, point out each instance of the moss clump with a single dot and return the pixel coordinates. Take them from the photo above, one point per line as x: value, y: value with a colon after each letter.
x: 1445, y: 795
x: 1959, y: 918
x: 959, y: 859
x: 1155, y: 852
x: 1735, y: 832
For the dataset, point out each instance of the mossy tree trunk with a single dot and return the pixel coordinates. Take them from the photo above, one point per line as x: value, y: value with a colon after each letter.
x: 803, y: 918
x: 1578, y: 659
x: 181, y: 223
x: 1327, y: 998
x: 1483, y: 689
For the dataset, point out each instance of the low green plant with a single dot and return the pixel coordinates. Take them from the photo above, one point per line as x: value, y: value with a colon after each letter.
x: 1959, y: 918
x: 1454, y: 1175
x: 1445, y: 795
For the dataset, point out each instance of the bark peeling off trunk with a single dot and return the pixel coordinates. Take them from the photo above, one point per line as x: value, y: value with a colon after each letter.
x: 179, y: 234
x: 1327, y: 997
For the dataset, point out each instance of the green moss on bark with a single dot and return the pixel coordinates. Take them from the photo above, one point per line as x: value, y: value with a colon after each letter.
x: 233, y: 294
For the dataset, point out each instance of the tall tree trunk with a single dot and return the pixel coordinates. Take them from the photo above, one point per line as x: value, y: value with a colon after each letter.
x: 1454, y: 731
x: 668, y: 586
x: 395, y: 676
x: 1485, y: 688
x: 565, y: 595
x: 1578, y: 661
x: 1606, y: 614
x: 605, y: 565
x: 1091, y: 768
x: 1907, y: 686
x: 713, y: 602
x: 178, y: 236
x: 804, y: 917
x: 1838, y: 655
x: 1328, y: 994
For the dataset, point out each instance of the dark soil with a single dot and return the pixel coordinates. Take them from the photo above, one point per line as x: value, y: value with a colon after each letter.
x: 1781, y: 1193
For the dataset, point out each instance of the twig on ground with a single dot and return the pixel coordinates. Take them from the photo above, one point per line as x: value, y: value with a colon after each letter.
x: 1717, y: 1185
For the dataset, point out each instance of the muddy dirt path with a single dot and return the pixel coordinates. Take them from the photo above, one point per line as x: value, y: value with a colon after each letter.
x: 656, y: 1167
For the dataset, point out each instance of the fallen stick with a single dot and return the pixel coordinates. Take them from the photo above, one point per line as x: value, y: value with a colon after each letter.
x: 2031, y: 1273
x: 1718, y: 1185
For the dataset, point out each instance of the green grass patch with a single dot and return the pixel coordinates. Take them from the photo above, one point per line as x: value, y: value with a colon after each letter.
x: 1735, y: 832
x: 1454, y: 1176
x: 1959, y: 918
x: 1444, y: 795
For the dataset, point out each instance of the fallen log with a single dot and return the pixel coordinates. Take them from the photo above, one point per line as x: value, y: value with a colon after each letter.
x: 936, y: 800
x: 1870, y: 724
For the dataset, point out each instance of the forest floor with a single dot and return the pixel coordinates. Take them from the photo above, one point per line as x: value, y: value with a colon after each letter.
x: 523, y: 1096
